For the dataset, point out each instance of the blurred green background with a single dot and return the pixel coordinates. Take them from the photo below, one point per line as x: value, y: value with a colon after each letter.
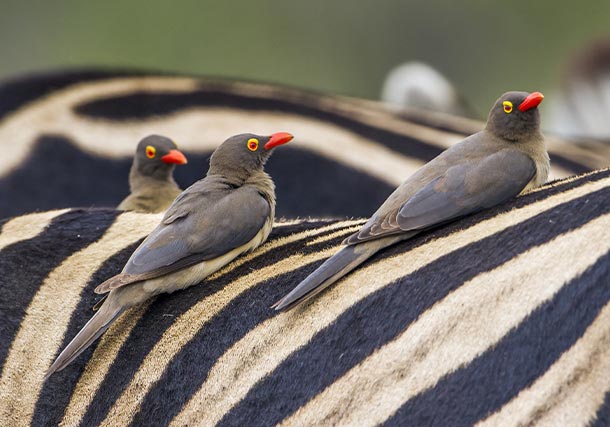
x: 346, y: 47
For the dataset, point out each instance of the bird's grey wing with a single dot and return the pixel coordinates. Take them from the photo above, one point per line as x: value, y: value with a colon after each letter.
x: 461, y: 190
x: 468, y: 188
x: 204, y: 231
x: 206, y: 191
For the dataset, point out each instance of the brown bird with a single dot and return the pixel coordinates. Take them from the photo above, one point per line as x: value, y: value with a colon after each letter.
x: 216, y: 219
x: 151, y: 180
x: 487, y: 168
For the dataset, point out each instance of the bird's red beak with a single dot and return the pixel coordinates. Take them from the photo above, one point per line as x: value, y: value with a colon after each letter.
x: 175, y: 157
x: 278, y: 139
x: 532, y: 101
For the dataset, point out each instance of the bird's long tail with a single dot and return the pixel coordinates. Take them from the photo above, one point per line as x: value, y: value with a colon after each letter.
x: 333, y: 269
x: 92, y: 330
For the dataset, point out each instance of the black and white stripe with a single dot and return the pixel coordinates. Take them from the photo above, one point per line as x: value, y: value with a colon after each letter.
x: 502, y: 318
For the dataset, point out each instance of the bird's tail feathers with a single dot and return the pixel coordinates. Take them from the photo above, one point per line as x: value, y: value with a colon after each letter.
x: 328, y: 273
x: 92, y: 330
x: 101, y: 302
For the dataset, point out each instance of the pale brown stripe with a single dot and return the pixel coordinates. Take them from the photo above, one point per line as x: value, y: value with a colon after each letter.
x: 53, y: 114
x: 284, y: 222
x: 564, y: 181
x: 594, y: 154
x: 571, y: 391
x: 344, y: 232
x: 112, y: 341
x: 98, y: 366
x: 376, y: 115
x: 372, y: 113
x: 265, y: 347
x: 26, y: 226
x: 48, y: 314
x: 557, y: 172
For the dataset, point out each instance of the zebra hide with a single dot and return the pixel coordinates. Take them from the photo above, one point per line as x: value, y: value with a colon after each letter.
x: 499, y: 319
x: 68, y: 138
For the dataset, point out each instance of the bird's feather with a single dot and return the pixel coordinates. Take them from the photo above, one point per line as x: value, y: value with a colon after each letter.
x: 462, y: 189
x: 95, y: 327
x: 229, y: 218
x: 467, y: 188
x: 332, y: 270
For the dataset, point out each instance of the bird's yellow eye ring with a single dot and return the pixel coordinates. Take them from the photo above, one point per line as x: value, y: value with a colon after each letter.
x: 151, y: 151
x: 253, y: 144
x: 508, y: 107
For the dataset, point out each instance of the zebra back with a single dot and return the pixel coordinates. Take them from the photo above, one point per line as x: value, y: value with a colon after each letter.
x: 501, y: 318
x: 68, y: 139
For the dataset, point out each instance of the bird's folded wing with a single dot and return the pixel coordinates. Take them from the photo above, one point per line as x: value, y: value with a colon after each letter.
x: 208, y: 191
x: 461, y: 190
x: 204, y: 230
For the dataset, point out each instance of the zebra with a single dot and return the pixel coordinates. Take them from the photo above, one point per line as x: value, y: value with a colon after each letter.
x: 498, y: 319
x: 502, y: 318
x: 68, y: 138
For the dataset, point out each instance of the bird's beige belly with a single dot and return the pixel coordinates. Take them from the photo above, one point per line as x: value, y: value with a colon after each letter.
x: 193, y: 275
x: 543, y: 167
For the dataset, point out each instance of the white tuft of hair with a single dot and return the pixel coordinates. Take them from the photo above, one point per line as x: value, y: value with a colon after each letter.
x: 418, y: 85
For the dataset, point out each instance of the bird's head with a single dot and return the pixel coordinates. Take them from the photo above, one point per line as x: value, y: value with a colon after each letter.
x: 243, y: 154
x: 156, y: 156
x: 515, y: 115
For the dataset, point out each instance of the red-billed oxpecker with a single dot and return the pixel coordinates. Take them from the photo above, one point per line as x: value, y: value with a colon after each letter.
x: 216, y: 219
x: 501, y: 161
x: 151, y: 182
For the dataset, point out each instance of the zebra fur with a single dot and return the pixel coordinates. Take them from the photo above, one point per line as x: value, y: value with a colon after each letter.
x: 499, y: 319
x: 68, y: 138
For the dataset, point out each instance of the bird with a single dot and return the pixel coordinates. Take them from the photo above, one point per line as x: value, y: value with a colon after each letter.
x: 151, y: 182
x: 489, y: 167
x: 228, y: 212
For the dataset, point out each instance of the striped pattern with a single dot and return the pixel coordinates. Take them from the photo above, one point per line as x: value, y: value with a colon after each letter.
x: 68, y: 139
x: 499, y: 319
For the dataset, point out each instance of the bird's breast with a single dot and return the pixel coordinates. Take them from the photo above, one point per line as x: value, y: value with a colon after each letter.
x: 543, y: 167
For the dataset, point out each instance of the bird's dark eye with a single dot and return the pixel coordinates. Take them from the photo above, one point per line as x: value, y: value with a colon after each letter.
x: 150, y: 151
x: 253, y: 144
x: 508, y: 107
